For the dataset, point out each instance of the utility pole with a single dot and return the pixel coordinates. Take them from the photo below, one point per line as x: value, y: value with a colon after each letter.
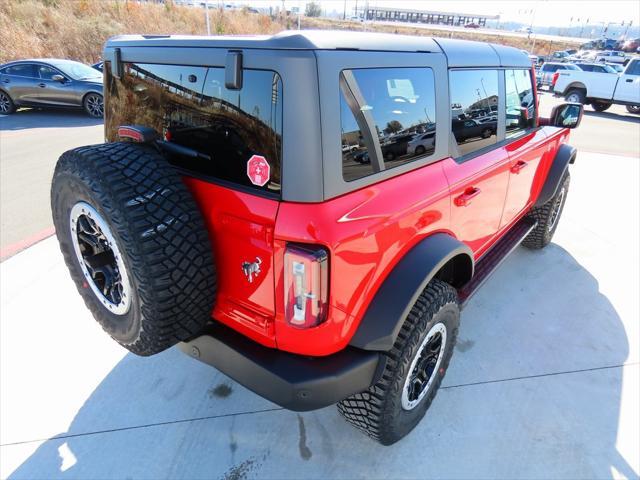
x: 206, y: 16
x: 344, y: 12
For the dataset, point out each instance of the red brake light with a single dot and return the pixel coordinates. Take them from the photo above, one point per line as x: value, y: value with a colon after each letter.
x: 555, y: 79
x: 306, y: 285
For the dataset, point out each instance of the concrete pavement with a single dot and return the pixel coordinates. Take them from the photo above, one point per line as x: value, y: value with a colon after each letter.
x: 544, y: 382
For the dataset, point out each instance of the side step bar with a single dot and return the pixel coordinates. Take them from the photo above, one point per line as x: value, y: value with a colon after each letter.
x: 494, y: 257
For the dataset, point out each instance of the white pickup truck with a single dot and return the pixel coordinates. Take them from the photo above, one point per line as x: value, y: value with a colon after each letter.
x: 601, y: 90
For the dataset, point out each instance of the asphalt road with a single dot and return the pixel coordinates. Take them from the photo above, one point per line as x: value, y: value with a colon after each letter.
x: 31, y: 141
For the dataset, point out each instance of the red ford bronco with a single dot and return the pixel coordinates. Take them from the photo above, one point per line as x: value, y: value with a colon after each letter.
x: 225, y: 215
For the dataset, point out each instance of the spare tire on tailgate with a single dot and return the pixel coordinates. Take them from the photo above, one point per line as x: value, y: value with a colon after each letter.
x: 135, y: 244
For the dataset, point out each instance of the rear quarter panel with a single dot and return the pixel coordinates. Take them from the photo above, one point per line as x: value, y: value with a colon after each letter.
x: 366, y: 232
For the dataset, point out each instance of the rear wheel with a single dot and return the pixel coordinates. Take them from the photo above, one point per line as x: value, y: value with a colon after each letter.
x: 547, y: 217
x: 135, y: 244
x: 420, y: 150
x: 600, y: 106
x: 414, y: 368
x: 575, y: 96
x: 633, y: 108
x: 6, y: 104
x: 486, y: 133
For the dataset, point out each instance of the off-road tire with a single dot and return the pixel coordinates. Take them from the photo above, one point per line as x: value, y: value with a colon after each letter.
x: 159, y: 232
x: 541, y: 236
x: 575, y: 96
x: 379, y: 412
x: 6, y: 103
x: 600, y: 106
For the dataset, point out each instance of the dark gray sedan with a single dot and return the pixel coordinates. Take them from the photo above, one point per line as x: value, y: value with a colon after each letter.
x: 50, y: 83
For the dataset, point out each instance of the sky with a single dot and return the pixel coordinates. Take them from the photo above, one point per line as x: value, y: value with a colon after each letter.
x: 547, y: 12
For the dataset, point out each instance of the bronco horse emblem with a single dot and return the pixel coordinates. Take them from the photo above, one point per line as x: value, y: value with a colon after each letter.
x: 251, y: 269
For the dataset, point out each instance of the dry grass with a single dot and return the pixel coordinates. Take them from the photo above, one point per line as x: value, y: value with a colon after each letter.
x: 77, y: 29
x: 542, y: 47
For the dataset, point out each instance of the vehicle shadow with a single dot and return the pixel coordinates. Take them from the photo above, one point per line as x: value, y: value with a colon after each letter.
x: 47, y: 118
x: 629, y: 117
x: 499, y: 423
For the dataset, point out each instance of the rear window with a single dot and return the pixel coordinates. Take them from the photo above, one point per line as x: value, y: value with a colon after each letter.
x: 392, y: 108
x: 191, y: 106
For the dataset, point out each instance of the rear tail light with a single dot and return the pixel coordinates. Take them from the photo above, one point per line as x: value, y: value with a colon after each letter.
x: 306, y: 285
x: 555, y: 79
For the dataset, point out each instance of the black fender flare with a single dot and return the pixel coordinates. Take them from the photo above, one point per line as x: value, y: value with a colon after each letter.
x: 565, y: 155
x: 398, y: 293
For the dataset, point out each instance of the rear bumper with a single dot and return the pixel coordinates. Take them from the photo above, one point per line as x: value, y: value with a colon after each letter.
x: 292, y: 381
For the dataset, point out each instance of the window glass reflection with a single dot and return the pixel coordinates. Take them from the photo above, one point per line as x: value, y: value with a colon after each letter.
x: 474, y: 109
x: 520, y: 102
x: 191, y: 107
x: 400, y: 104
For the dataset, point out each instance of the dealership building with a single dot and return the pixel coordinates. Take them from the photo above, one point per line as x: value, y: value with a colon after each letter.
x: 391, y: 14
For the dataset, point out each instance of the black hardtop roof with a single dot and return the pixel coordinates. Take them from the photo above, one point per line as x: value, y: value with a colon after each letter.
x: 459, y: 52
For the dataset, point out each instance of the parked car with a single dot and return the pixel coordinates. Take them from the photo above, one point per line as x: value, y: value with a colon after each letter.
x: 50, y: 83
x: 616, y: 67
x: 261, y: 249
x: 471, y: 25
x: 601, y: 91
x: 466, y: 129
x: 421, y: 143
x: 611, y: 56
x: 560, y: 56
x: 544, y: 76
x: 596, y: 67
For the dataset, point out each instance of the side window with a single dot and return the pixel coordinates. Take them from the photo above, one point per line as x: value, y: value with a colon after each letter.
x: 474, y: 123
x: 192, y: 108
x: 22, y: 70
x: 46, y: 72
x: 634, y: 68
x: 394, y: 107
x: 520, y: 102
x: 587, y: 68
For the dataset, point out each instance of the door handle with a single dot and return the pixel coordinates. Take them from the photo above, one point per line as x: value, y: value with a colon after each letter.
x: 518, y: 166
x: 629, y: 80
x: 465, y: 199
x: 42, y: 85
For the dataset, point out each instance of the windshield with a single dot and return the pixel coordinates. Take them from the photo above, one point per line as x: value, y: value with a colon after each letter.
x: 79, y: 71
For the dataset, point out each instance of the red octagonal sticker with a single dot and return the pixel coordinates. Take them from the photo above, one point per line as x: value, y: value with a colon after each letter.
x: 258, y: 170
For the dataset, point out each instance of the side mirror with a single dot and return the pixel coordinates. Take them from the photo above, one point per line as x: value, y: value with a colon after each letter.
x: 58, y: 78
x: 565, y: 115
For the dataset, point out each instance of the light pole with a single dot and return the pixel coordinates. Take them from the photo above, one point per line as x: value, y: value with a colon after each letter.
x: 206, y: 16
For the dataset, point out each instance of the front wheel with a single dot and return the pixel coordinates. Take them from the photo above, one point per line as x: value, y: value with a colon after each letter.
x: 547, y: 217
x: 633, y: 108
x: 414, y: 368
x: 94, y: 105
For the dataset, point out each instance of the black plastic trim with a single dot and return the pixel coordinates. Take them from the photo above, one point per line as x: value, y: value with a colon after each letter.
x: 395, y: 298
x: 565, y: 155
x: 294, y: 382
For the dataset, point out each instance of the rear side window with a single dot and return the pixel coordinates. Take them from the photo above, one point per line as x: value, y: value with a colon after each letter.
x: 393, y: 108
x: 22, y: 70
x: 520, y: 102
x: 474, y: 109
x: 191, y: 107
